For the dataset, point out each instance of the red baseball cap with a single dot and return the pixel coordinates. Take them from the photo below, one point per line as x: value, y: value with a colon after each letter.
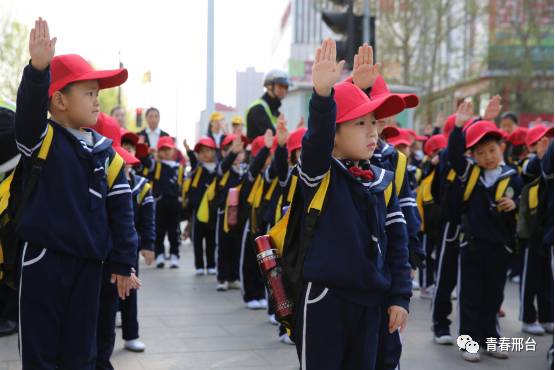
x: 231, y: 138
x: 295, y: 139
x: 256, y: 145
x: 141, y: 150
x: 415, y: 136
x: 166, y: 142
x: 66, y: 69
x: 380, y: 89
x: 109, y: 127
x: 435, y: 143
x: 129, y: 136
x: 536, y: 133
x: 518, y: 137
x: 478, y: 130
x: 207, y: 142
x: 402, y: 137
x: 353, y: 103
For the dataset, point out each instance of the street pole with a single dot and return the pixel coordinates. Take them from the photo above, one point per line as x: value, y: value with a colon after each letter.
x: 210, y: 62
x: 366, y: 22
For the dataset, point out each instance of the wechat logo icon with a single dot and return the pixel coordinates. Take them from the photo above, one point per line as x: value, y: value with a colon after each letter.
x: 466, y: 343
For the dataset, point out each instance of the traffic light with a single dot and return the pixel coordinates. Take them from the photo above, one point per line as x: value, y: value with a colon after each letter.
x: 139, y: 117
x: 350, y: 26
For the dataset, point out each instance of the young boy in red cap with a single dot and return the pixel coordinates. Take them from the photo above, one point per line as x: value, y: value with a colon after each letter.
x: 537, y: 273
x: 231, y: 171
x: 83, y: 189
x: 143, y: 206
x: 491, y: 189
x: 261, y: 179
x: 201, y: 194
x: 367, y: 77
x: 167, y: 178
x: 356, y: 271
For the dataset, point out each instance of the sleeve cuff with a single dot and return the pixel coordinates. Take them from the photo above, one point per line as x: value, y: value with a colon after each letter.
x: 120, y: 269
x: 322, y: 104
x: 38, y: 77
x: 401, y: 301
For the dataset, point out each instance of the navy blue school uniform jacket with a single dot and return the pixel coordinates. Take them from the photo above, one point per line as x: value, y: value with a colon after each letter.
x: 386, y: 157
x: 198, y: 188
x: 483, y: 220
x: 143, y: 205
x: 359, y: 248
x: 229, y: 176
x: 71, y: 210
x: 166, y: 182
x: 547, y: 175
x: 449, y: 190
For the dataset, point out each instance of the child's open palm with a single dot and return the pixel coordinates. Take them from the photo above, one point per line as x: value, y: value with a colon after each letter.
x: 493, y: 108
x: 268, y: 139
x: 281, y: 131
x: 41, y: 47
x: 464, y: 113
x: 325, y: 70
x: 365, y: 71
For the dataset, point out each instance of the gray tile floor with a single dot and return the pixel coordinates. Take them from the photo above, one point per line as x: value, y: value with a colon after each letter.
x: 186, y: 324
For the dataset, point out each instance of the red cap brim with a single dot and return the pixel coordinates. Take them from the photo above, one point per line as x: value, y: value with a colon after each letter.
x: 141, y: 150
x: 106, y: 79
x: 398, y: 141
x: 411, y: 100
x: 475, y: 141
x: 382, y: 107
x: 127, y: 157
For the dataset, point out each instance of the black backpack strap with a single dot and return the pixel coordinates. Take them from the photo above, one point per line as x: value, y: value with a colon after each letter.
x: 36, y: 170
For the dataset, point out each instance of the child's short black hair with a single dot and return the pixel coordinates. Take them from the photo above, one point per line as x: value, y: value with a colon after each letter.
x: 127, y: 142
x: 63, y: 90
x: 486, y: 139
x: 510, y: 115
x: 151, y: 109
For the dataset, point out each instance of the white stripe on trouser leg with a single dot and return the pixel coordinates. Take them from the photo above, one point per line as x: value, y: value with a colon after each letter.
x: 242, y: 257
x: 19, y: 302
x: 423, y: 269
x: 217, y: 239
x: 459, y: 283
x: 440, y: 266
x: 523, y: 285
x: 303, y: 350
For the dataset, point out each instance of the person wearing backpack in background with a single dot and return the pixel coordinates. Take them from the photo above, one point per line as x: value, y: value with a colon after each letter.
x: 259, y: 174
x: 491, y: 190
x: 356, y: 283
x: 201, y: 195
x: 228, y: 238
x: 109, y: 301
x: 167, y: 178
x: 84, y: 191
x: 537, y: 274
x: 9, y: 158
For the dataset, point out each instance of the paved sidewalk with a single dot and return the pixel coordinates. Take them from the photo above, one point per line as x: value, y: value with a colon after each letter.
x: 186, y: 324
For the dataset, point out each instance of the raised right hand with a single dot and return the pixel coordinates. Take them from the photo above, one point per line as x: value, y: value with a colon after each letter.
x: 464, y: 113
x: 41, y: 47
x: 325, y: 70
x: 268, y: 139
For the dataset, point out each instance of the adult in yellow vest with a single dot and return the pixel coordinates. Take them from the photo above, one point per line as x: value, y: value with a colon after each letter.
x: 264, y: 112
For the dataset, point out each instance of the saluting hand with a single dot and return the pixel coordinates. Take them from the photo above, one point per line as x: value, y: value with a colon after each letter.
x: 365, y: 71
x: 493, y: 108
x: 281, y: 131
x: 237, y: 145
x: 325, y: 70
x: 464, y: 113
x: 268, y: 139
x: 41, y: 47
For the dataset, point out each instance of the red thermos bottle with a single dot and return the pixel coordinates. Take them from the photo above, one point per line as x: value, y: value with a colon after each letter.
x: 268, y: 261
x: 232, y: 207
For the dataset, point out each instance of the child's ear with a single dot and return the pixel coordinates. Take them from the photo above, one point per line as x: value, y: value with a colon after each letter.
x: 58, y: 101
